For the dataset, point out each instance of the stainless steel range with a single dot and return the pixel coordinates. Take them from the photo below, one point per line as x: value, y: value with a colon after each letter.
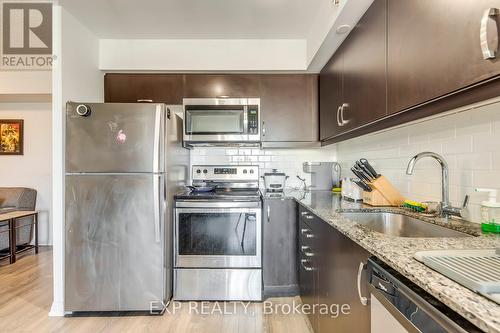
x: 218, y: 236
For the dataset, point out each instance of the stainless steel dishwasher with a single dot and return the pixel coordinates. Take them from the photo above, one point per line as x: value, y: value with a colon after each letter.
x: 400, y: 306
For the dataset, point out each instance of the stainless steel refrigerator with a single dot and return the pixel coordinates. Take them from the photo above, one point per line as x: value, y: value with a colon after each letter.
x: 124, y: 163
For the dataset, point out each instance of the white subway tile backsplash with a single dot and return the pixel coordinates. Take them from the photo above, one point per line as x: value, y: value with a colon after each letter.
x: 468, y: 138
x: 256, y: 152
x: 288, y: 161
x: 238, y: 158
x: 486, y: 178
x: 245, y: 151
x: 486, y: 142
x: 474, y: 161
x: 458, y: 145
x: 495, y: 161
x: 228, y: 151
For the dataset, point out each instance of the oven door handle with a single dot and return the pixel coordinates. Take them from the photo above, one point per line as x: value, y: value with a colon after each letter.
x: 209, y: 210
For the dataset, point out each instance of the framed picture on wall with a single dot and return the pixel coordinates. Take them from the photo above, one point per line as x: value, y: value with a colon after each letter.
x: 11, y: 136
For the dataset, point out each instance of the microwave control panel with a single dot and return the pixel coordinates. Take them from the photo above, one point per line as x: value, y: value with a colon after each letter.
x: 253, y: 119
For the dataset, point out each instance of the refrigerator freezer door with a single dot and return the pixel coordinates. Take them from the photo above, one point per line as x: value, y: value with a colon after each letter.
x: 114, y: 258
x: 114, y: 137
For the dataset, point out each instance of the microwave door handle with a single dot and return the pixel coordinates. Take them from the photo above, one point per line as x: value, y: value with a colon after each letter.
x: 245, y: 120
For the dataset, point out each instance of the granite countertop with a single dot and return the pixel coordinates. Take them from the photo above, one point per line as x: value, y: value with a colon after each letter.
x: 398, y: 252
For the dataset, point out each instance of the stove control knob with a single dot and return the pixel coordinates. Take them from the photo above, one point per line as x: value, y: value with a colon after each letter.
x: 198, y: 171
x: 251, y: 170
x: 205, y: 170
x: 244, y: 170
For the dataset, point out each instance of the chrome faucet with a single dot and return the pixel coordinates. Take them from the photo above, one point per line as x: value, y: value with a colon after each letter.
x: 446, y: 208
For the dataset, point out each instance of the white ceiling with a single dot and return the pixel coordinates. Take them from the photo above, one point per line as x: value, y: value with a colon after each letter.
x: 197, y: 19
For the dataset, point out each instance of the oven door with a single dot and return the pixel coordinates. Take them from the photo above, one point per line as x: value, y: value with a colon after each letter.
x: 215, y: 237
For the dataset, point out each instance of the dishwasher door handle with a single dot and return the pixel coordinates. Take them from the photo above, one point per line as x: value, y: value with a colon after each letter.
x: 362, y: 298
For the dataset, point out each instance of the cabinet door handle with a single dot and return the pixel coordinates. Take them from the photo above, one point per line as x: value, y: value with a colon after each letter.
x: 307, y: 268
x: 268, y: 214
x: 306, y: 250
x: 307, y: 233
x: 362, y: 299
x: 144, y: 101
x: 263, y: 128
x: 338, y: 116
x: 483, y: 33
x: 343, y: 122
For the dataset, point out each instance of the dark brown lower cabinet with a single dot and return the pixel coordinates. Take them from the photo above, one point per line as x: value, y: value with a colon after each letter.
x: 330, y: 266
x: 280, y: 248
x: 308, y: 250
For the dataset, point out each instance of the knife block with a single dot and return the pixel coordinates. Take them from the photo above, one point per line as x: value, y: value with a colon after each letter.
x: 383, y: 194
x: 375, y: 198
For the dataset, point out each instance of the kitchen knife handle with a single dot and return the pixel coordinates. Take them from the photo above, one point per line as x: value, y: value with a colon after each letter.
x: 365, y: 171
x: 368, y: 166
x: 360, y: 174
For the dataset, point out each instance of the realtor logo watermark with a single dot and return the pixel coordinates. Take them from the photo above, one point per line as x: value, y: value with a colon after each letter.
x: 26, y: 35
x: 244, y: 308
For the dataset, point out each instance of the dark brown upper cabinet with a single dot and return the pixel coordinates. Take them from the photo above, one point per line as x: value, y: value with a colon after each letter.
x: 289, y: 108
x: 131, y: 88
x: 221, y: 85
x: 353, y: 83
x: 365, y: 67
x: 331, y: 96
x: 434, y: 48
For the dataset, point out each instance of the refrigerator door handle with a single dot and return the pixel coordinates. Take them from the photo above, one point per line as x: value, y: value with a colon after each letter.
x: 156, y: 143
x: 157, y: 206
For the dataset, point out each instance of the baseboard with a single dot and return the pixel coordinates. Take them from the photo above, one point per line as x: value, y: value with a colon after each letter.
x: 56, y: 310
x: 281, y: 291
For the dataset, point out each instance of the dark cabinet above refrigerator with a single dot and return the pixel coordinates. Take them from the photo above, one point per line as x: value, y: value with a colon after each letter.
x: 289, y: 113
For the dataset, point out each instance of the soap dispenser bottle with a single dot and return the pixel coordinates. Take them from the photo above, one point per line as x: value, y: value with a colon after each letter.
x: 490, y: 211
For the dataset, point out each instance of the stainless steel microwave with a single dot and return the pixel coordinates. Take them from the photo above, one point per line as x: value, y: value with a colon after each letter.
x: 221, y: 121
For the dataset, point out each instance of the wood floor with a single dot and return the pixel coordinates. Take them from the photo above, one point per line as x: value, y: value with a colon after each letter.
x: 26, y: 297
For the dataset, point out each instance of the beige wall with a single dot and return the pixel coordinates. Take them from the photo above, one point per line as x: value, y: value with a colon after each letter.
x: 33, y: 169
x: 25, y: 82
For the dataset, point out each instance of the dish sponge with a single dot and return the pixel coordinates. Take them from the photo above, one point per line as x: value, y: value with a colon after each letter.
x: 416, y: 206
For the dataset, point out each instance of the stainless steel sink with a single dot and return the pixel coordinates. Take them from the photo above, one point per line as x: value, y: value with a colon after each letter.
x: 401, y: 225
